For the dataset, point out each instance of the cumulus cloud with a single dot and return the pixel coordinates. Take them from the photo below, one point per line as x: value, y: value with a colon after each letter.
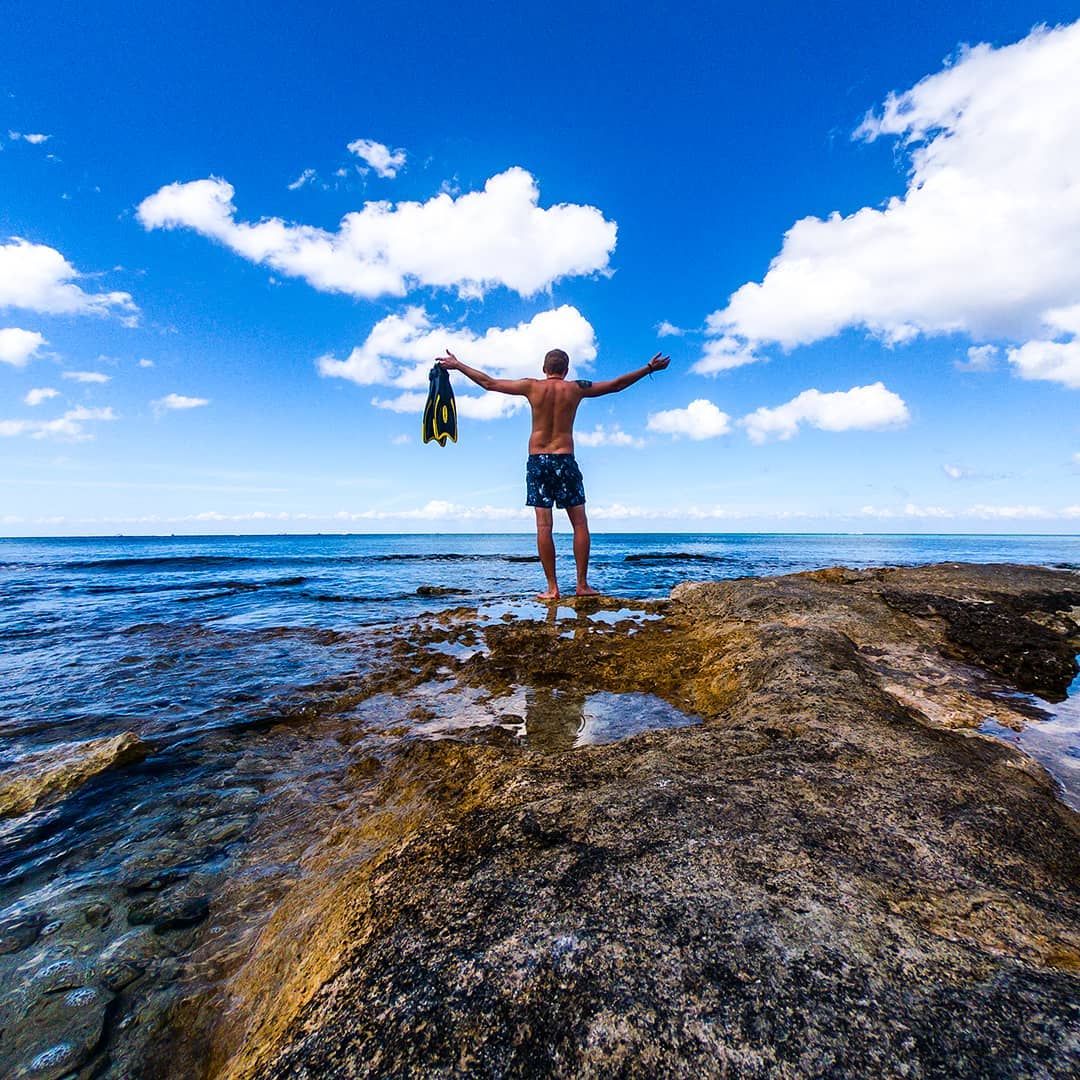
x: 68, y: 426
x: 144, y: 363
x: 172, y: 402
x: 666, y: 329
x: 475, y: 242
x: 38, y: 278
x: 607, y: 436
x: 17, y: 347
x: 382, y: 159
x: 35, y: 138
x: 400, y: 350
x: 86, y: 376
x: 860, y: 408
x: 40, y: 394
x: 1053, y: 361
x: 724, y: 353
x: 700, y: 419
x: 982, y: 242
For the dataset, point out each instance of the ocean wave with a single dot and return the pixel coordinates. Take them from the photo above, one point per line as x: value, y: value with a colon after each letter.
x: 425, y: 592
x: 673, y: 556
x: 191, y: 562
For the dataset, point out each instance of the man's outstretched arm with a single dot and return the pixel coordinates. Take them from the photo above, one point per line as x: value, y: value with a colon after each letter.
x: 482, y: 379
x: 613, y: 386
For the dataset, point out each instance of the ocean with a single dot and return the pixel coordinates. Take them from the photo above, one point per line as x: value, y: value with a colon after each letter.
x: 221, y: 653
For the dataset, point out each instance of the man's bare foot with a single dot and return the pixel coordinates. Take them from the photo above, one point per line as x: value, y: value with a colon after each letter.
x: 551, y: 594
x: 588, y: 590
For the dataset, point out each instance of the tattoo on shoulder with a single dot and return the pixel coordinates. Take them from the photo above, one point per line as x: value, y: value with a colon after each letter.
x: 584, y: 383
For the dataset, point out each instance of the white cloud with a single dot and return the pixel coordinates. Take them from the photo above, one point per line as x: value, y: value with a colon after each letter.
x: 475, y: 242
x: 35, y: 138
x: 666, y: 329
x: 607, y: 436
x: 68, y: 426
x: 1050, y: 360
x: 1009, y: 513
x: 86, y: 376
x: 700, y: 419
x: 40, y: 394
x: 19, y: 346
x: 724, y: 353
x: 401, y: 440
x: 957, y: 472
x: 304, y: 178
x: 400, y: 350
x: 144, y: 363
x: 177, y: 401
x: 862, y: 407
x: 381, y: 158
x: 979, y: 358
x: 915, y: 511
x: 440, y: 510
x: 38, y: 278
x: 983, y: 241
x: 486, y: 407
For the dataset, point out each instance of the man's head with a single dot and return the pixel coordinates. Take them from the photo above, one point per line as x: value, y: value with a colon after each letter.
x: 556, y: 363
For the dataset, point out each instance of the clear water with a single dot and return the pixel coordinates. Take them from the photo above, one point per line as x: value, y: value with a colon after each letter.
x: 1053, y: 741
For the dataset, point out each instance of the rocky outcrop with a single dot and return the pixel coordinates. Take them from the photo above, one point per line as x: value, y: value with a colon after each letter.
x: 831, y: 874
x: 47, y: 776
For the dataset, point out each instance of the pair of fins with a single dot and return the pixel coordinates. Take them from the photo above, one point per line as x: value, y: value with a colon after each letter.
x: 440, y: 411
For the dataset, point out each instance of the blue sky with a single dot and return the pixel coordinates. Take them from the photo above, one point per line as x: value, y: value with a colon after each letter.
x: 231, y: 244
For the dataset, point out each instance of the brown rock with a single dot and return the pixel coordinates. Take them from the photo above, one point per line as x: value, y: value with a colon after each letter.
x: 47, y: 776
x: 829, y: 876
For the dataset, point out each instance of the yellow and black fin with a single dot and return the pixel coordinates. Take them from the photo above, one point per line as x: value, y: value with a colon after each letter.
x: 440, y: 410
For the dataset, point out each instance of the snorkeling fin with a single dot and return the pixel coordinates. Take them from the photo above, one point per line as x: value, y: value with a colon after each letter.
x: 440, y: 411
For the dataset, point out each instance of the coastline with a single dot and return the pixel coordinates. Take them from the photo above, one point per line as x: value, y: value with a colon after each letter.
x: 753, y: 827
x: 831, y: 871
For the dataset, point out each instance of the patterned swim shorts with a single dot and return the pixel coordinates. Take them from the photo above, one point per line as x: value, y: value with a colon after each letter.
x: 553, y: 478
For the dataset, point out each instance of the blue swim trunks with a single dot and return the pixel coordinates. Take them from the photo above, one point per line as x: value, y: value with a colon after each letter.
x: 553, y: 478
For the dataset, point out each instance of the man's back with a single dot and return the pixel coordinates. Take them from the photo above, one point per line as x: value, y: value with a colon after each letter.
x: 552, y: 476
x: 554, y: 404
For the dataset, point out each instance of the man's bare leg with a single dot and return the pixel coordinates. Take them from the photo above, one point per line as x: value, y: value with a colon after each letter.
x: 545, y: 547
x: 577, y: 517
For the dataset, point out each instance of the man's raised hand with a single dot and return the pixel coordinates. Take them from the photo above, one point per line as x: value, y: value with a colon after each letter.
x: 449, y: 361
x: 658, y: 363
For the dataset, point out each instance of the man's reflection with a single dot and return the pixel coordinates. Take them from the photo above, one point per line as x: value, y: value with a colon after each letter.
x: 553, y: 718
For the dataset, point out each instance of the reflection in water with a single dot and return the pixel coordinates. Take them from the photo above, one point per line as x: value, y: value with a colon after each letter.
x: 553, y: 719
x: 557, y: 720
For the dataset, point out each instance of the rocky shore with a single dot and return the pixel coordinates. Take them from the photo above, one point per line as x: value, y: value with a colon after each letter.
x: 830, y: 874
x: 751, y: 831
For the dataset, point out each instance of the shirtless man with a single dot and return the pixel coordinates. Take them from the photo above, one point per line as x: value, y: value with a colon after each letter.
x: 552, y: 475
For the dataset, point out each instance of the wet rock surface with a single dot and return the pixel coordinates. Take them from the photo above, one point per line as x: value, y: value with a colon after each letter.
x: 830, y: 875
x: 47, y: 776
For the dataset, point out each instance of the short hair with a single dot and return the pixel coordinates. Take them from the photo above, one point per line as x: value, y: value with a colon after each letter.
x: 556, y: 363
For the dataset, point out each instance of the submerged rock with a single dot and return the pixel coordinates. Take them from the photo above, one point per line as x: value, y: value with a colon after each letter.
x: 829, y: 875
x: 47, y: 776
x: 20, y: 932
x: 57, y: 1031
